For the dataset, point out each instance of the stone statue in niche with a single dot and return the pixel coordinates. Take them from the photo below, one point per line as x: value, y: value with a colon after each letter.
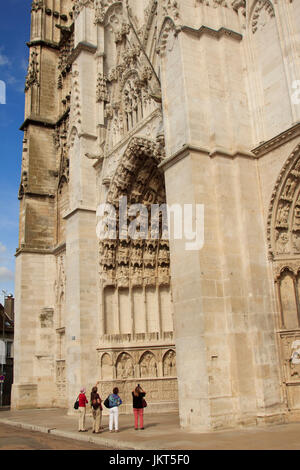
x: 169, y: 364
x: 150, y: 253
x: 123, y: 252
x: 125, y: 367
x: 155, y: 182
x: 282, y: 243
x: 136, y: 192
x: 283, y: 215
x: 163, y: 254
x: 149, y: 276
x: 297, y: 218
x: 136, y: 275
x: 122, y: 275
x: 148, y: 366
x: 108, y: 275
x: 289, y: 189
x: 149, y: 197
x: 107, y: 252
x: 163, y: 275
x: 136, y: 253
x: 145, y: 172
x: 295, y: 358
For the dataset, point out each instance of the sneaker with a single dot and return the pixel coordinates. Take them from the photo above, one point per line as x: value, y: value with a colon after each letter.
x: 142, y: 428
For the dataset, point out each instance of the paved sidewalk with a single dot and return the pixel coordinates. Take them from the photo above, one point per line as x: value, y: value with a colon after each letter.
x: 162, y: 432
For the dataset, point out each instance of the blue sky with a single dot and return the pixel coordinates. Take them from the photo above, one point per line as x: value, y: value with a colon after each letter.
x: 14, y: 33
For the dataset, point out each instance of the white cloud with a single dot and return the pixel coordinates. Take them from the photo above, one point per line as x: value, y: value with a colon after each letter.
x: 6, y: 274
x: 2, y: 248
x: 4, y: 60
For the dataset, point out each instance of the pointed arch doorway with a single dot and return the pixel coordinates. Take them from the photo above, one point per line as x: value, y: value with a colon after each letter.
x: 136, y: 309
x: 284, y: 248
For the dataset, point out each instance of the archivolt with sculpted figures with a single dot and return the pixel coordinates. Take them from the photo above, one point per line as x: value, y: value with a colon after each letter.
x: 284, y: 249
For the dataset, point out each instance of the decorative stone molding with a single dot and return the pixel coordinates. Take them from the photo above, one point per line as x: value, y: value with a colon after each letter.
x: 277, y: 141
x: 167, y: 36
x: 80, y: 4
x: 75, y: 110
x: 283, y: 223
x: 280, y: 267
x: 32, y: 77
x: 102, y: 91
x: 236, y: 4
x: 101, y: 8
x: 239, y: 5
x: 65, y: 54
x: 262, y: 11
x: 213, y: 32
x: 149, y: 17
x: 216, y: 3
x: 171, y: 9
x: 37, y: 5
x: 128, y: 363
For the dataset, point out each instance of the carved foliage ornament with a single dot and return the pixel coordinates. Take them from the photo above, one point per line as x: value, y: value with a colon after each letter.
x: 263, y: 11
x: 101, y: 8
x: 32, y: 77
x: 80, y: 4
x: 37, y: 5
x: 171, y: 8
x: 236, y: 4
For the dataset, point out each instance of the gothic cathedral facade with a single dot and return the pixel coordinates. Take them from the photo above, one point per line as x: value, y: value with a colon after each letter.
x: 162, y: 102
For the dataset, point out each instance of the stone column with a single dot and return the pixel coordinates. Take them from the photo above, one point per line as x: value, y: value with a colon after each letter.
x: 82, y: 286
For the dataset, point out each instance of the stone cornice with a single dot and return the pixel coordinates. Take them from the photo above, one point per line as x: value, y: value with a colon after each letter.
x: 43, y: 43
x: 37, y: 121
x: 42, y: 122
x: 38, y: 194
x: 41, y: 251
x: 146, y: 346
x: 81, y: 46
x: 215, y: 152
x: 59, y: 249
x: 78, y: 209
x: 35, y: 251
x: 63, y: 117
x: 277, y: 141
x: 212, y: 32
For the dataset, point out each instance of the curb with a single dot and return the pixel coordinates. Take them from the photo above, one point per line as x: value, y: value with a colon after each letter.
x: 101, y: 441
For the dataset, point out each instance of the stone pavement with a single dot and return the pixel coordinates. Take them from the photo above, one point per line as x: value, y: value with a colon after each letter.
x: 162, y: 432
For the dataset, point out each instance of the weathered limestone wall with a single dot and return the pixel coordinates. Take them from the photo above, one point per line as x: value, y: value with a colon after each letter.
x: 82, y: 322
x: 33, y: 347
x: 228, y: 310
